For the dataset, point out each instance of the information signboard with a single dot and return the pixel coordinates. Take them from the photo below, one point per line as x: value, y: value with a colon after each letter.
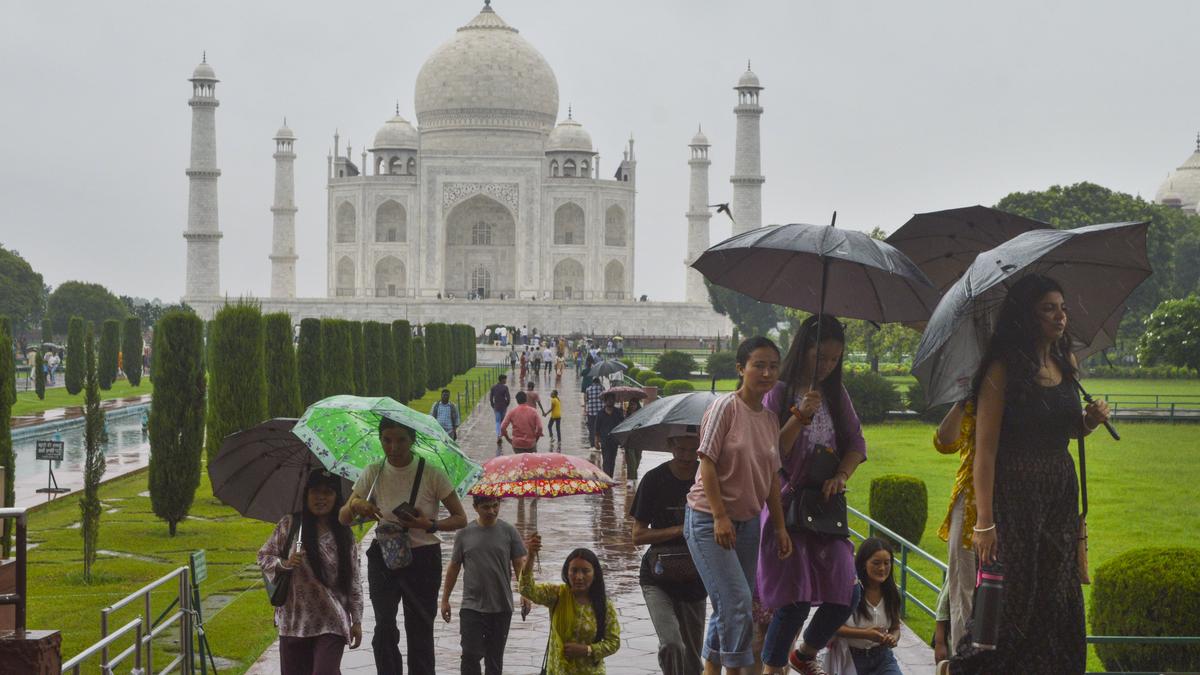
x: 50, y: 450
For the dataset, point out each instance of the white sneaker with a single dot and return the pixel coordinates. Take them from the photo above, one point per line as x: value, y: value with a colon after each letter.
x: 943, y: 668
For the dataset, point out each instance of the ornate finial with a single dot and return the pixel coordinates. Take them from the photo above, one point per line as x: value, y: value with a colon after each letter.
x: 204, y: 56
x: 487, y: 3
x: 1198, y: 141
x: 570, y: 116
x: 747, y: 65
x: 397, y: 108
x: 285, y: 120
x: 699, y: 128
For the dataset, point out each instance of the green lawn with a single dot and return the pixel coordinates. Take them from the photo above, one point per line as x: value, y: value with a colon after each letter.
x: 28, y: 402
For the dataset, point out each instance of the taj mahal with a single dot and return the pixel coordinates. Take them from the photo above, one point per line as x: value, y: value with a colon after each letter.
x: 490, y: 208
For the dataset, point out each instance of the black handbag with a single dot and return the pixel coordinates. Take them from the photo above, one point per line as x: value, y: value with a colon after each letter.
x: 277, y: 590
x: 806, y: 509
x: 672, y: 564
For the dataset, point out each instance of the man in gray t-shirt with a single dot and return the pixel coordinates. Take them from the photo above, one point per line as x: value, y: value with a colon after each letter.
x: 486, y: 547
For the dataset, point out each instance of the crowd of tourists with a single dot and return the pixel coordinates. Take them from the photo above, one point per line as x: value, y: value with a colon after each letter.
x: 744, y: 518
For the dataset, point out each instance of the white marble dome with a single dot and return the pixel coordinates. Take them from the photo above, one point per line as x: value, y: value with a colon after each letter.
x: 204, y: 72
x: 487, y: 75
x: 748, y: 80
x: 1182, y: 186
x: 569, y: 136
x: 396, y: 134
x: 284, y: 133
x: 699, y: 138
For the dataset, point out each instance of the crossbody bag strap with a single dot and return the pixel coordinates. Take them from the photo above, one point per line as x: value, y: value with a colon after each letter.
x: 1082, y: 467
x: 412, y: 498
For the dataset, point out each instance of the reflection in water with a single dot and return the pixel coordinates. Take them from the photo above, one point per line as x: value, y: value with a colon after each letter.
x: 126, y: 443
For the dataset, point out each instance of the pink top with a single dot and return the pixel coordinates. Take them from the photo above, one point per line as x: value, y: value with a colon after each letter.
x: 743, y: 444
x: 526, y: 426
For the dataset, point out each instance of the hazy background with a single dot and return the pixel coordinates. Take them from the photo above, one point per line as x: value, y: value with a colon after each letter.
x: 875, y: 109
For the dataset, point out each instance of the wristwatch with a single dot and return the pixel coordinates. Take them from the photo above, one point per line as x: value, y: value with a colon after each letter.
x: 432, y: 527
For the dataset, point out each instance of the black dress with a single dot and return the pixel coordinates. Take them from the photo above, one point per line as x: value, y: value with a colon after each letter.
x: 1035, y: 504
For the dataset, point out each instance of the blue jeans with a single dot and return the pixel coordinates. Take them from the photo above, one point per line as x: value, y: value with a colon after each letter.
x: 877, y: 661
x: 499, y: 419
x: 786, y: 623
x: 728, y: 575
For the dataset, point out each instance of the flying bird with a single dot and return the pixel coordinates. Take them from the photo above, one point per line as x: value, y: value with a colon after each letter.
x: 723, y: 208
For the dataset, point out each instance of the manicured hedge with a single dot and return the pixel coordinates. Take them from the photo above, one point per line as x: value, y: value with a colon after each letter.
x: 873, y: 395
x: 420, y: 368
x: 656, y: 382
x: 237, y: 384
x: 39, y: 375
x: 283, y: 387
x: 337, y: 362
x: 73, y: 378
x: 373, y: 357
x: 1143, y: 372
x: 8, y: 396
x: 675, y: 365
x: 359, y: 352
x: 677, y: 387
x: 722, y: 365
x: 131, y: 349
x: 390, y: 373
x: 644, y: 376
x: 402, y: 339
x: 308, y: 361
x: 108, y: 355
x: 176, y: 428
x: 915, y: 400
x: 900, y: 503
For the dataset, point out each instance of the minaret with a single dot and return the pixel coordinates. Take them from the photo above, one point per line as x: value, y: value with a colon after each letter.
x: 203, y: 237
x: 697, y: 216
x: 283, y: 236
x: 747, y: 178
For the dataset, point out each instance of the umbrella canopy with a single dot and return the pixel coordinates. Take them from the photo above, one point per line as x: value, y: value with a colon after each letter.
x: 821, y: 268
x: 541, y: 474
x: 625, y: 393
x: 261, y: 471
x: 343, y: 432
x: 944, y: 243
x: 606, y: 368
x: 1098, y: 266
x: 650, y: 427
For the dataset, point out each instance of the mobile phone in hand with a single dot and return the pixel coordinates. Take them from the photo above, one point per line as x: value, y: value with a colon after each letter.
x: 405, y: 511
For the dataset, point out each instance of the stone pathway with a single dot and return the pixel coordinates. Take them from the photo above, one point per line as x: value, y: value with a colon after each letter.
x: 598, y: 522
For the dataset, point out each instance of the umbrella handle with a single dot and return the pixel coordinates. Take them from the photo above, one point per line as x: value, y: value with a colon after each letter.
x: 1112, y: 431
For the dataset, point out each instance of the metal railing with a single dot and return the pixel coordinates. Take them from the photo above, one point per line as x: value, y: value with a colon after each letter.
x: 19, y: 597
x: 107, y: 666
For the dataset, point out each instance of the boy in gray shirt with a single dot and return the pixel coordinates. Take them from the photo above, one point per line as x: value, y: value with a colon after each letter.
x: 486, y: 547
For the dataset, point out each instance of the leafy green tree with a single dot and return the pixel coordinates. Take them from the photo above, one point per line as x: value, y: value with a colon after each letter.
x: 283, y: 388
x: 6, y: 325
x: 372, y: 348
x: 93, y: 302
x: 402, y: 337
x: 1172, y: 334
x: 308, y: 361
x: 890, y: 340
x: 675, y: 365
x: 150, y: 311
x: 47, y: 333
x: 1187, y: 264
x: 749, y: 315
x: 237, y: 383
x: 337, y: 351
x: 93, y: 463
x: 420, y: 372
x: 8, y: 396
x: 176, y: 416
x: 22, y: 291
x: 110, y: 346
x: 73, y: 377
x: 360, y: 357
x: 39, y: 375
x: 131, y: 349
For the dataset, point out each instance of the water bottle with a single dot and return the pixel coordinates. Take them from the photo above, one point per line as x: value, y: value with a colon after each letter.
x: 989, y: 604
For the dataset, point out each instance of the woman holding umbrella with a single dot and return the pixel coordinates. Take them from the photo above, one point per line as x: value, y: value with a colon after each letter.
x: 1026, y: 493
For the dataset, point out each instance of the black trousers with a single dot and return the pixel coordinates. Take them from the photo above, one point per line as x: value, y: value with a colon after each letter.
x: 416, y: 586
x: 317, y: 655
x: 484, y: 635
x: 555, y: 424
x: 608, y: 451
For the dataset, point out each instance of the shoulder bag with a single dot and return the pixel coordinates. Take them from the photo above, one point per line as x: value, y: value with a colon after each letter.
x: 277, y: 589
x: 672, y: 564
x: 395, y: 545
x: 1081, y: 554
x: 806, y: 509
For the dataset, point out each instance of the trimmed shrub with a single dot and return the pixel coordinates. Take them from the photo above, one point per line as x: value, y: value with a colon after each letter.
x: 633, y: 372
x: 1148, y: 591
x: 237, y: 384
x: 309, y: 361
x: 722, y: 365
x: 8, y: 396
x: 372, y: 346
x: 915, y: 400
x: 39, y: 375
x: 359, y: 350
x: 110, y: 349
x: 677, y: 387
x: 402, y: 339
x: 131, y: 348
x: 389, y: 374
x: 675, y: 365
x: 420, y: 368
x: 93, y: 457
x: 873, y: 395
x: 628, y: 363
x: 176, y: 415
x: 644, y: 376
x: 1143, y: 372
x: 337, y: 352
x: 283, y: 389
x: 73, y: 375
x: 901, y: 504
x: 656, y: 382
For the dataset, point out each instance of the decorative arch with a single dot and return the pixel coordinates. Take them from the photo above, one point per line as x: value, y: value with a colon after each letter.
x: 554, y: 168
x: 568, y: 279
x: 481, y: 282
x: 585, y: 169
x: 481, y: 233
x: 569, y: 168
x: 345, y: 277
x: 395, y: 166
x: 346, y: 223
x: 391, y: 222
x: 614, y: 280
x: 569, y: 224
x: 614, y: 226
x: 389, y: 277
x: 412, y: 166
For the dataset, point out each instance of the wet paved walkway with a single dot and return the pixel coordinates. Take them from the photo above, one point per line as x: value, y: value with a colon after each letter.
x: 598, y: 522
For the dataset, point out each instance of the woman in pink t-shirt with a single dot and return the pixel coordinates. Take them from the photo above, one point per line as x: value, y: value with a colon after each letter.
x: 739, y: 473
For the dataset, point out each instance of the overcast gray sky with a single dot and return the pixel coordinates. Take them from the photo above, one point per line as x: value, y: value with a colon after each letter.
x: 875, y: 109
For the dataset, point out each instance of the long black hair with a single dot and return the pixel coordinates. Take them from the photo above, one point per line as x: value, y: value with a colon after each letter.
x: 310, y: 536
x: 1015, y: 338
x: 747, y: 347
x: 596, y: 592
x: 793, y: 368
x: 891, y: 594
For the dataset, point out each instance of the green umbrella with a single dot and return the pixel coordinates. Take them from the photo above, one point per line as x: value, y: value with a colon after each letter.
x: 343, y: 432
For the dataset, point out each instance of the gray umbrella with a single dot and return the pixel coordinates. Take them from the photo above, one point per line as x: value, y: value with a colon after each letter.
x: 1099, y: 266
x: 606, y: 368
x: 650, y: 427
x: 944, y: 243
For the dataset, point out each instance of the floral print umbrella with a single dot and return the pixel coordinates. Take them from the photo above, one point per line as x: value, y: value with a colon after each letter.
x: 541, y: 474
x: 343, y: 432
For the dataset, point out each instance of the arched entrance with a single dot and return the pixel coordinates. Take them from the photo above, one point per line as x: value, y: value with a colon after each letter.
x: 481, y: 237
x: 614, y: 280
x: 345, y: 278
x: 389, y: 277
x: 568, y: 280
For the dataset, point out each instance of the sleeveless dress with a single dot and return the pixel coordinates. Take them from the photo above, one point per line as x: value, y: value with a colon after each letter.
x: 1035, y: 504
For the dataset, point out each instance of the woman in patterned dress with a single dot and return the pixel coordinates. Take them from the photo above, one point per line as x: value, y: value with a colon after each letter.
x: 324, y: 606
x: 583, y: 623
x: 1026, y: 493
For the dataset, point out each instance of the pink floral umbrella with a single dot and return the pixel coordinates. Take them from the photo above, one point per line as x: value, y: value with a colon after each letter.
x: 541, y: 474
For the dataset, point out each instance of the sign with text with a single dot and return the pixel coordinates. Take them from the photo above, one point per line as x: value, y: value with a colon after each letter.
x: 199, y: 567
x: 50, y: 450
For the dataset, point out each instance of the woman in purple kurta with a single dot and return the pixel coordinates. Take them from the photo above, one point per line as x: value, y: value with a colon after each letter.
x: 821, y: 572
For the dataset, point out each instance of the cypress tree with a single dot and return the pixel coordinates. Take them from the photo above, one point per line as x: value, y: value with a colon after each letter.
x: 432, y: 345
x: 372, y: 357
x: 337, y: 358
x: 131, y: 349
x: 360, y: 358
x: 237, y: 384
x: 283, y: 389
x: 308, y: 361
x: 389, y: 372
x: 447, y: 355
x: 8, y: 396
x: 73, y: 377
x: 176, y: 416
x: 47, y: 331
x: 402, y: 339
x: 93, y: 463
x: 419, y: 368
x: 110, y: 346
x: 39, y: 375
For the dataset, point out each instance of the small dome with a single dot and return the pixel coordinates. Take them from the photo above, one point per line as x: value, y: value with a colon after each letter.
x: 284, y: 133
x: 396, y: 134
x: 1182, y: 186
x: 748, y: 80
x: 699, y: 138
x: 569, y: 135
x: 204, y: 72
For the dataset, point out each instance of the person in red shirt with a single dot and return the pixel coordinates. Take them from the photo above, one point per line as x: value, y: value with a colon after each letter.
x: 526, y: 426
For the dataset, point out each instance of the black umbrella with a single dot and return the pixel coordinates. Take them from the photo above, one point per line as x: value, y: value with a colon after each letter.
x: 944, y: 243
x: 261, y: 471
x: 650, y: 427
x: 1099, y: 266
x: 606, y: 368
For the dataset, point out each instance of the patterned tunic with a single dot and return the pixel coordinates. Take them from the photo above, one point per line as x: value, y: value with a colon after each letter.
x: 312, y: 608
x: 585, y: 631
